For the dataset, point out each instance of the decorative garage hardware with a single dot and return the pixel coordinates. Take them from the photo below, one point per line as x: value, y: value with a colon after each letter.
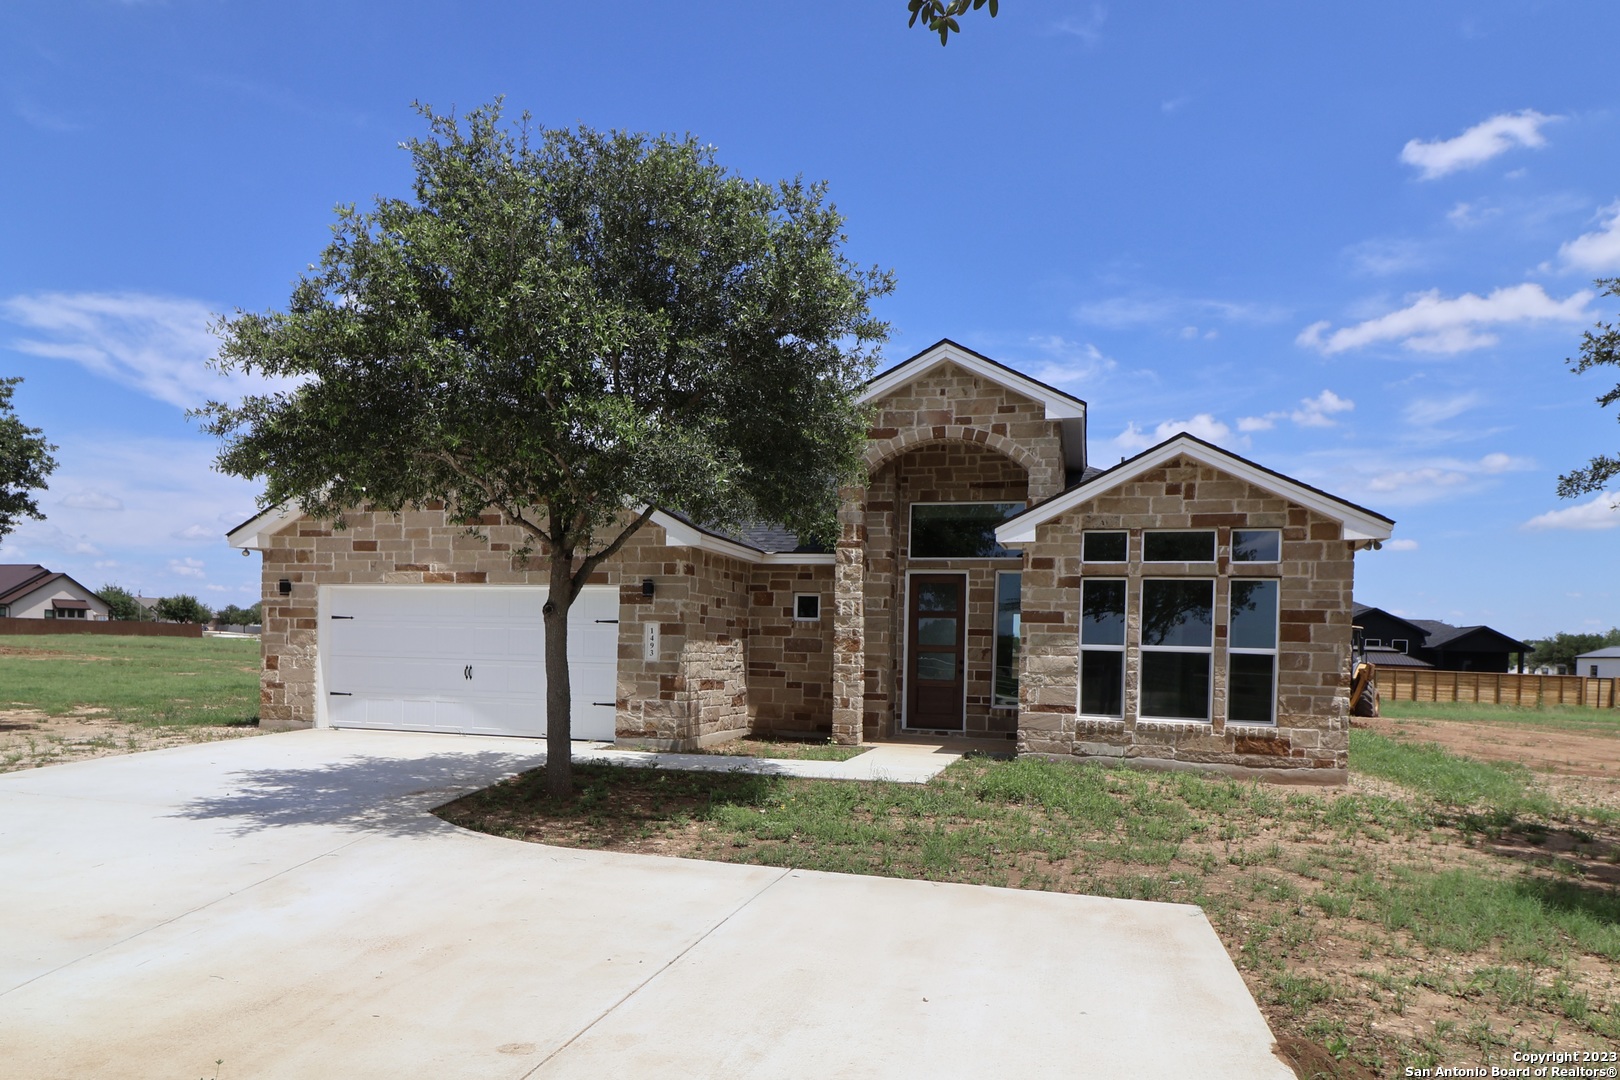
x: 647, y: 586
x: 284, y: 587
x: 338, y: 693
x: 608, y: 704
x: 615, y: 622
x: 466, y: 672
x: 343, y: 616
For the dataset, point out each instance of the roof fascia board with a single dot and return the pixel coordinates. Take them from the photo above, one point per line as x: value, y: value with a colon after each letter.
x: 249, y: 536
x: 1058, y: 405
x: 1357, y: 525
x: 678, y: 533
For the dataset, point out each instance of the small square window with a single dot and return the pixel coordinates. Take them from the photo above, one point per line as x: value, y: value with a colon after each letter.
x: 806, y: 607
x: 1102, y: 547
x: 1398, y: 643
x: 1179, y: 546
x: 1256, y: 545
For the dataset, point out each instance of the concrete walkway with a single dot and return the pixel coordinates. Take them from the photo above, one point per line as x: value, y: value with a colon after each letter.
x: 286, y: 903
x: 911, y: 762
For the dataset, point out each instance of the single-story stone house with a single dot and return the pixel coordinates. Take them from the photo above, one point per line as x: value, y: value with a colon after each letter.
x: 1184, y: 608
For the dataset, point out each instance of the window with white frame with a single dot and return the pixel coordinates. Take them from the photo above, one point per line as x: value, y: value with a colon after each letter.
x: 1178, y: 644
x: 1398, y: 643
x: 1251, y: 656
x: 960, y: 530
x: 1102, y: 647
x: 806, y: 607
x: 1109, y: 546
x: 1165, y: 545
x: 1009, y: 599
x: 1256, y: 545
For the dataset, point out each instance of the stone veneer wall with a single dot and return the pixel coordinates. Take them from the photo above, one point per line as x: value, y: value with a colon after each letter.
x: 1310, y: 739
x: 700, y: 602
x: 790, y: 661
x: 937, y: 472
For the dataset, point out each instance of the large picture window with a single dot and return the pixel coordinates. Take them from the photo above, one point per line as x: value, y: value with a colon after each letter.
x: 960, y: 530
x: 1102, y: 647
x: 1008, y: 601
x: 1251, y: 683
x: 1178, y: 640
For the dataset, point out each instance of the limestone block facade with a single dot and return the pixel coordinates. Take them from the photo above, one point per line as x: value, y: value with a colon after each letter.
x: 951, y: 602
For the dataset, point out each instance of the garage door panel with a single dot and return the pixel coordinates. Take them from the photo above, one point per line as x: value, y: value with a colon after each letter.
x: 402, y: 658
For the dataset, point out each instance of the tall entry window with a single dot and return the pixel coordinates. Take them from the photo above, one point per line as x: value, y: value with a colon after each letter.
x: 1102, y: 647
x: 960, y: 530
x: 1251, y: 685
x: 1008, y: 592
x: 1178, y: 641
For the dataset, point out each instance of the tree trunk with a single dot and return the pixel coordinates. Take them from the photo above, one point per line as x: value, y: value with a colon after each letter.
x: 559, y: 700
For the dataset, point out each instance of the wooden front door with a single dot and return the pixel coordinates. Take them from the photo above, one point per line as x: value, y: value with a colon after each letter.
x: 936, y: 619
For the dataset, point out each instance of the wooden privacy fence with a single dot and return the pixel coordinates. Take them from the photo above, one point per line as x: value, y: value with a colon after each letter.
x: 85, y: 626
x: 1492, y: 688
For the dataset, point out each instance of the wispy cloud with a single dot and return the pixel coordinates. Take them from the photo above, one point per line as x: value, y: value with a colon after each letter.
x: 188, y: 568
x: 1430, y: 323
x: 1602, y: 511
x: 1598, y: 250
x: 1314, y: 412
x: 1425, y: 411
x: 1403, y: 544
x: 1088, y: 28
x: 1428, y: 481
x: 93, y: 500
x: 1067, y: 362
x: 1477, y: 145
x: 157, y: 345
x: 1117, y: 312
x: 1203, y: 425
x: 41, y: 118
x: 1383, y: 257
x: 1465, y: 215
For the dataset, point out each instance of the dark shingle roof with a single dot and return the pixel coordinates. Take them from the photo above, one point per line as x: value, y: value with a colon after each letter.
x: 19, y: 578
x: 1384, y: 656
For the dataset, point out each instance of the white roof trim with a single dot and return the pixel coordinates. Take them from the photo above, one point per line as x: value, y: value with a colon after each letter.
x: 249, y: 536
x: 1358, y: 524
x: 678, y: 533
x: 1058, y: 405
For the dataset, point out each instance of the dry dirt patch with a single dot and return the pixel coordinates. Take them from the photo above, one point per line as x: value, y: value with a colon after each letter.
x: 29, y: 738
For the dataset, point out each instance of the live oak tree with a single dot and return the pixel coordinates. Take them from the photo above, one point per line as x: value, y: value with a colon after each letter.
x: 183, y: 608
x: 122, y: 604
x: 25, y: 462
x: 1598, y: 346
x: 571, y: 327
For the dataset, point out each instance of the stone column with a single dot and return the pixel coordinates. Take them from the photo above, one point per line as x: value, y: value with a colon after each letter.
x: 849, y: 619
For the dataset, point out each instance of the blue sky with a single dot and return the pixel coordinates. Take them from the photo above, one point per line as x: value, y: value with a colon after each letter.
x: 1353, y: 243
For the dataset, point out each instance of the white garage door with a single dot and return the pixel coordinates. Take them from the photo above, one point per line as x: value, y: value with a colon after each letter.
x: 463, y: 658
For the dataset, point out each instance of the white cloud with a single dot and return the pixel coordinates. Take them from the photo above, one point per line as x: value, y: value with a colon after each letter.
x: 1465, y: 215
x: 199, y: 532
x: 93, y: 500
x: 1316, y: 412
x: 1123, y: 311
x: 1380, y: 258
x: 33, y: 539
x: 1598, y: 250
x: 1070, y: 361
x: 1431, y: 323
x: 1436, y: 478
x: 155, y: 344
x: 1175, y: 104
x: 190, y: 568
x: 1088, y: 29
x: 1426, y: 411
x: 1401, y: 545
x: 1203, y: 426
x: 1477, y: 145
x: 1602, y: 511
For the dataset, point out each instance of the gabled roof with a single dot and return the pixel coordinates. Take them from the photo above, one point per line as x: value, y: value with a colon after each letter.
x: 1059, y: 406
x: 1610, y: 653
x: 1358, y: 522
x: 1384, y: 656
x: 23, y: 586
x: 1357, y: 610
x: 1444, y: 636
x: 248, y: 535
x: 15, y: 574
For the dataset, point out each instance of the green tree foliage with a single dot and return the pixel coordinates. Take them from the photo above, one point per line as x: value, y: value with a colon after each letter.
x: 182, y: 608
x: 570, y: 327
x: 25, y: 461
x: 1600, y: 345
x: 122, y: 605
x: 231, y: 615
x: 1560, y: 650
x: 940, y: 15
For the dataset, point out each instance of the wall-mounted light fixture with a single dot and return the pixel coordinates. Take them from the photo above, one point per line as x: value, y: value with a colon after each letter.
x: 284, y: 587
x: 647, y: 587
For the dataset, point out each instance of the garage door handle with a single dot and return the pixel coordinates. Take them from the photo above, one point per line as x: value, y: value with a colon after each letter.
x: 338, y: 693
x: 609, y: 704
x: 466, y: 672
x: 343, y: 616
x: 613, y: 621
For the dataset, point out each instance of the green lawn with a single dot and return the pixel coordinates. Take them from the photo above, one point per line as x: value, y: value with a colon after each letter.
x: 146, y: 680
x: 1560, y: 717
x: 802, y: 749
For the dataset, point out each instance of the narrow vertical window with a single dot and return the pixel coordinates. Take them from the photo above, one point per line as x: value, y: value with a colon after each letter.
x: 1178, y: 641
x: 1251, y: 684
x: 1102, y: 647
x: 1009, y: 587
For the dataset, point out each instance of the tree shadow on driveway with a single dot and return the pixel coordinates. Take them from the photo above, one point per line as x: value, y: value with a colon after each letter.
x: 363, y: 794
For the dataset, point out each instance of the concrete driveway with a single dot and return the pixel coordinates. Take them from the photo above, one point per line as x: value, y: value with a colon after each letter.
x: 285, y: 903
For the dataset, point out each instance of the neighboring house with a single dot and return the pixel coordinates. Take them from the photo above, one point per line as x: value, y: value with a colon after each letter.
x: 29, y: 591
x: 1186, y: 608
x: 1437, y: 644
x: 1599, y: 664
